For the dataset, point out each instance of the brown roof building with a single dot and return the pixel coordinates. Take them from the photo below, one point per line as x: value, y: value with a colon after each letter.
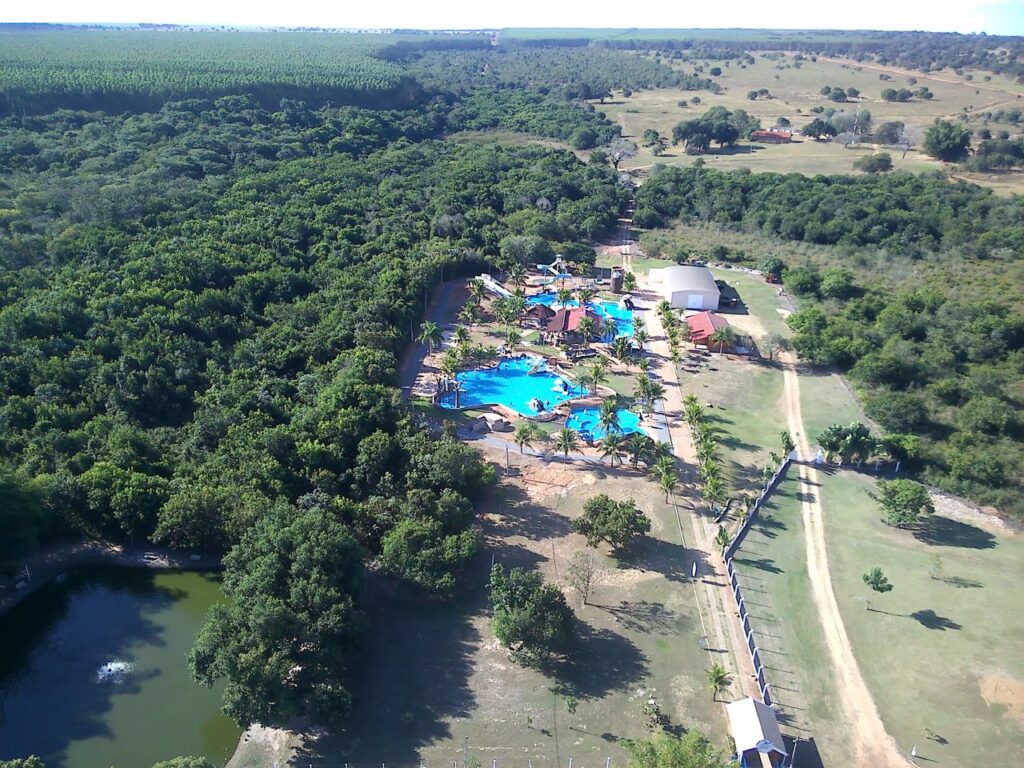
x: 567, y: 320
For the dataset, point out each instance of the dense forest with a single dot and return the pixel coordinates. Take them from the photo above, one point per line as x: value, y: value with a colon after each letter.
x: 202, y: 308
x: 943, y: 363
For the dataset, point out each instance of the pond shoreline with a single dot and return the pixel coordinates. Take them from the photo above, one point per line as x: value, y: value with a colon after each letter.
x: 49, y: 563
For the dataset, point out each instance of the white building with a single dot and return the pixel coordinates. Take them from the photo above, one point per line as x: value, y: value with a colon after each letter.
x: 755, y: 730
x: 686, y: 287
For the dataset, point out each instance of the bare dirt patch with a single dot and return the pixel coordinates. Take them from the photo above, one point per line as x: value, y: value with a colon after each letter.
x: 1005, y: 692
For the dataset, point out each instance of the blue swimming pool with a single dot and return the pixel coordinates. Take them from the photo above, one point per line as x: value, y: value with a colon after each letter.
x: 516, y: 383
x: 605, y: 309
x: 585, y: 421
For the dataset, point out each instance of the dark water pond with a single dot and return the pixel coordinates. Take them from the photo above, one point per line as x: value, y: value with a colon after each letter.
x: 93, y: 675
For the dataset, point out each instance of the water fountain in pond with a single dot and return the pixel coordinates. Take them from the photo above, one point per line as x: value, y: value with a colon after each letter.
x: 114, y: 671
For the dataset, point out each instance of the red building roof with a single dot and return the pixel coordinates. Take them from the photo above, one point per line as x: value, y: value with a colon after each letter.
x: 567, y: 320
x: 703, y: 325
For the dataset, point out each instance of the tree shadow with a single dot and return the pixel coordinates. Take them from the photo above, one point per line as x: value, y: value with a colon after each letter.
x: 962, y: 583
x: 931, y: 620
x: 760, y: 563
x: 668, y: 559
x: 646, y: 617
x: 520, y: 516
x: 769, y: 526
x: 940, y: 531
x: 412, y: 676
x: 600, y: 662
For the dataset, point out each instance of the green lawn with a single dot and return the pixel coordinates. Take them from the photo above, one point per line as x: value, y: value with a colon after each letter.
x: 930, y: 647
x: 772, y: 566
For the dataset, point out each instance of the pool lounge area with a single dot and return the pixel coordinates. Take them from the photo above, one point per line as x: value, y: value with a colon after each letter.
x: 586, y: 421
x: 523, y: 384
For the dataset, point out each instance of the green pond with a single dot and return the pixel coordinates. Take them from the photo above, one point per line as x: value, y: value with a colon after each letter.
x: 93, y: 674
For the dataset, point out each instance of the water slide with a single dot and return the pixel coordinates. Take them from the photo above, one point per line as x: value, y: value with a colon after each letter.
x: 494, y: 286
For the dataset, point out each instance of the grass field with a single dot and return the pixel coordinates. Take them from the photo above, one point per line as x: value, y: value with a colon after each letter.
x: 434, y: 674
x: 772, y: 566
x: 795, y: 92
x: 940, y: 653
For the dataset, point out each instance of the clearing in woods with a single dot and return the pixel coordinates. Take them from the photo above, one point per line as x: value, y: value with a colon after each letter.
x: 797, y: 90
x: 435, y: 675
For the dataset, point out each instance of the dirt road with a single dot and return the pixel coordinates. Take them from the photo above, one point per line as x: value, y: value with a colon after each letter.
x: 875, y: 747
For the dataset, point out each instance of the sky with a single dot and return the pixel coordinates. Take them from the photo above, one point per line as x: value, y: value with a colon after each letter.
x: 991, y: 16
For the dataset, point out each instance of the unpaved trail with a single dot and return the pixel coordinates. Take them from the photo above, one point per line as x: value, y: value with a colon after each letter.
x: 875, y: 747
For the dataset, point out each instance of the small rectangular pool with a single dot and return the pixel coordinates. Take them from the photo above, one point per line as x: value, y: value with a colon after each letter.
x: 586, y: 422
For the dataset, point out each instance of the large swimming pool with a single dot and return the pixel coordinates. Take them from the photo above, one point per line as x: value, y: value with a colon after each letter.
x: 517, y: 383
x: 605, y: 309
x: 586, y: 422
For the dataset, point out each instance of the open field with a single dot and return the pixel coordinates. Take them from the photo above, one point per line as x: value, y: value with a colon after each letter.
x: 944, y: 651
x: 795, y: 92
x: 434, y: 674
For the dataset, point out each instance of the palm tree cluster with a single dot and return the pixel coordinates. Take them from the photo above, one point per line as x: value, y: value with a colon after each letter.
x: 706, y: 446
x: 676, y: 331
x: 853, y: 442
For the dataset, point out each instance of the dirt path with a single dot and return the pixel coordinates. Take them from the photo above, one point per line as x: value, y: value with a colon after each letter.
x: 874, y: 746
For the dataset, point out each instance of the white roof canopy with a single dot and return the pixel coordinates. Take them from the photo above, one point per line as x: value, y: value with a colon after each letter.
x: 684, y: 278
x: 754, y: 726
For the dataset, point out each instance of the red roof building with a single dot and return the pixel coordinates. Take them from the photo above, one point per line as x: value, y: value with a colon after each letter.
x: 772, y: 137
x: 567, y: 320
x: 703, y: 326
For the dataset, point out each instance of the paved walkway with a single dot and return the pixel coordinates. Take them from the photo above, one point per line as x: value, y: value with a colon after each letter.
x: 437, y: 312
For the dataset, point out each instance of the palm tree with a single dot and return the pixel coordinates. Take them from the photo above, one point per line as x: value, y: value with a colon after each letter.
x: 723, y: 337
x: 713, y: 491
x: 610, y: 328
x: 613, y: 444
x: 644, y: 364
x: 620, y: 348
x: 564, y: 296
x: 584, y: 380
x: 608, y: 416
x: 566, y: 441
x: 637, y: 444
x: 719, y: 680
x: 722, y: 537
x: 692, y: 410
x: 461, y: 335
x: 655, y: 392
x: 639, y: 323
x: 477, y: 291
x: 585, y: 295
x: 641, y: 337
x: 526, y: 432
x: 587, y: 328
x: 469, y: 313
x: 664, y: 465
x: 668, y: 482
x: 517, y: 305
x: 450, y: 362
x: 512, y: 337
x: 706, y: 450
x: 517, y: 274
x: 599, y: 372
x: 430, y: 334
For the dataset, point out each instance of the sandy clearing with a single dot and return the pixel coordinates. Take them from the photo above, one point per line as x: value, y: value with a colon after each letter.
x: 1006, y: 692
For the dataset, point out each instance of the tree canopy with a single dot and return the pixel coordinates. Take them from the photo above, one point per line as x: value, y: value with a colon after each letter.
x: 530, y: 618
